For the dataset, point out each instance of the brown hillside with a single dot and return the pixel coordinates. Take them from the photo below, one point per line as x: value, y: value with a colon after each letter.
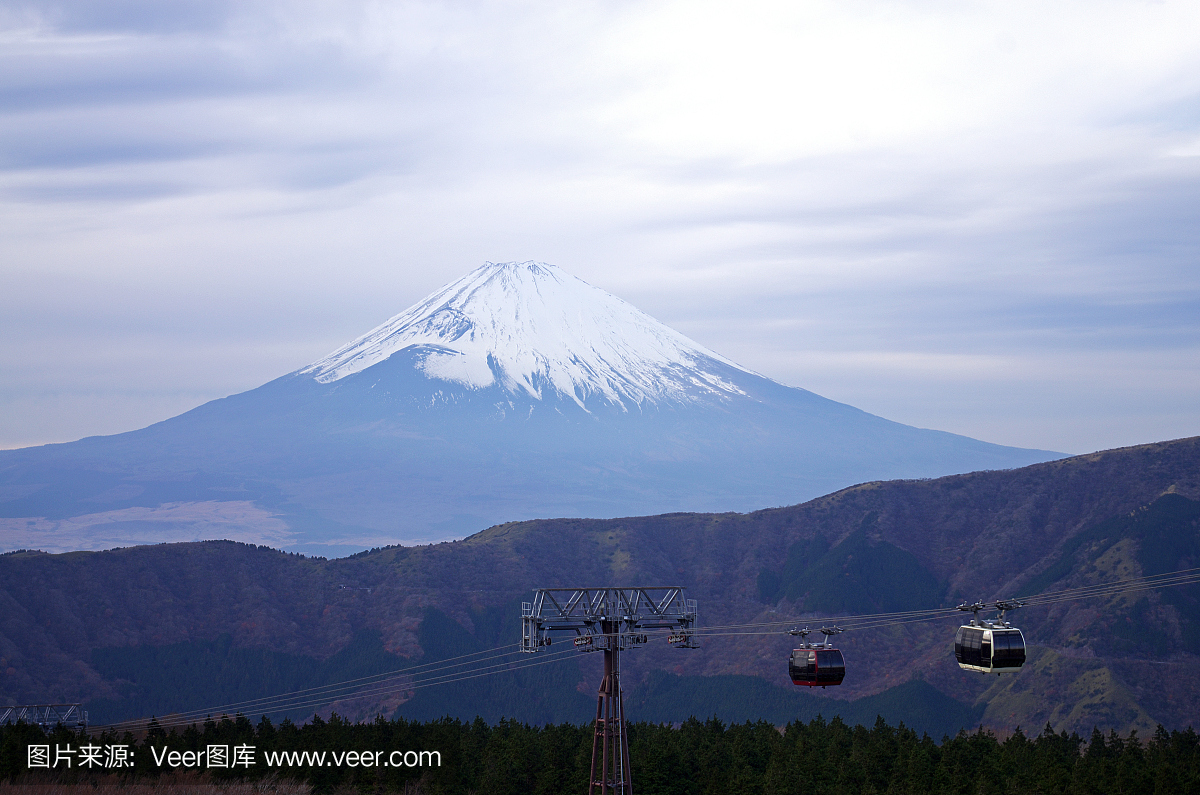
x: 980, y: 535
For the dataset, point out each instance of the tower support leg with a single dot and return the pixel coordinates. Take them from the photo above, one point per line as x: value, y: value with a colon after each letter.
x: 610, y: 744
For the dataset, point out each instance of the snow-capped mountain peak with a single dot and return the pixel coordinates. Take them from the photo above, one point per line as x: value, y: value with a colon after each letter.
x: 529, y: 328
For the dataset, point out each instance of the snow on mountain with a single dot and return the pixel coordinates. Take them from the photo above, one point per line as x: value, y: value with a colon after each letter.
x: 530, y: 328
x: 403, y: 436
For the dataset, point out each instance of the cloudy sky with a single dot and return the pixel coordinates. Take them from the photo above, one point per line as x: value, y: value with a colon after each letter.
x: 982, y: 217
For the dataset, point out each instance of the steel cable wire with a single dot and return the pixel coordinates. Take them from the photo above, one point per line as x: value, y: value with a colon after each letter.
x: 1181, y: 577
x: 174, y: 721
x: 877, y: 620
x: 307, y: 701
x: 362, y: 681
x: 897, y: 614
x: 328, y: 693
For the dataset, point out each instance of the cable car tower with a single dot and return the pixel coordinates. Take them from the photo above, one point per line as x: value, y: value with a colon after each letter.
x: 609, y: 620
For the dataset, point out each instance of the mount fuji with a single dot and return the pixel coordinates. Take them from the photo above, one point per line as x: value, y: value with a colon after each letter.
x: 516, y: 392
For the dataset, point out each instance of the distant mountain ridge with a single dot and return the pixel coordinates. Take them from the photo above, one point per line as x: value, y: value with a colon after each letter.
x: 121, y: 627
x: 516, y: 392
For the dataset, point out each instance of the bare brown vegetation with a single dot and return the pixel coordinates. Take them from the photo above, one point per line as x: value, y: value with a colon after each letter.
x: 976, y: 536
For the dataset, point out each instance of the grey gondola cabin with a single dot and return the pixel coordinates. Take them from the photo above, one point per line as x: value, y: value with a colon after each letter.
x: 989, y: 650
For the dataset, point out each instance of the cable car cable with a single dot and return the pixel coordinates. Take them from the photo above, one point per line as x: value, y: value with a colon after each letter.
x: 179, y: 719
x: 1131, y: 585
x: 327, y: 693
x: 283, y: 702
x: 384, y: 691
x: 362, y: 681
x: 1149, y: 582
x: 331, y: 692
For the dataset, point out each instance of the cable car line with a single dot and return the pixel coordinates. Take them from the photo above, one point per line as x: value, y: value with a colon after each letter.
x: 175, y: 722
x: 332, y: 688
x: 1134, y: 584
x: 191, y: 717
x: 285, y: 701
x: 996, y: 646
x: 327, y: 693
x: 1131, y: 585
x: 870, y: 620
x: 1145, y: 578
x: 419, y: 676
x: 877, y: 620
x: 379, y: 691
x: 900, y: 613
x: 983, y: 645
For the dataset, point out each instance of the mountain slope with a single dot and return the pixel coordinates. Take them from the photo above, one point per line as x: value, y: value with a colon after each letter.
x: 1123, y: 662
x: 516, y: 392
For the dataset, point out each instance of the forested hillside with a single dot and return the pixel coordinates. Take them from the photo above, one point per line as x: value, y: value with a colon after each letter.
x: 163, y: 628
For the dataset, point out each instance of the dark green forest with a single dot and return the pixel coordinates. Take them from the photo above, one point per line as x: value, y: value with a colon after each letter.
x: 692, y: 758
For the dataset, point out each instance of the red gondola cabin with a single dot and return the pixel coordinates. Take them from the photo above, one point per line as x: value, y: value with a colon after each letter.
x: 817, y: 667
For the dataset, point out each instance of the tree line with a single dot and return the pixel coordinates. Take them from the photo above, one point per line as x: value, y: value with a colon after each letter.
x: 693, y: 758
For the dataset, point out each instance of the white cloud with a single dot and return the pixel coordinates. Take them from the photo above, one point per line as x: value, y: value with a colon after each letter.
x: 912, y: 187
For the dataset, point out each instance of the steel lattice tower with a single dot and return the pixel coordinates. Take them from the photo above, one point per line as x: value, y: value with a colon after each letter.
x: 609, y: 620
